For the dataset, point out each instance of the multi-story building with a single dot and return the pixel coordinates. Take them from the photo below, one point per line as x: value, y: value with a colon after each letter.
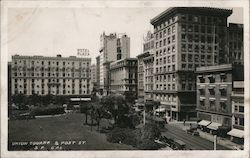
x: 93, y: 77
x: 237, y: 132
x: 214, y: 89
x: 186, y: 38
x: 235, y: 41
x: 50, y: 75
x: 9, y: 82
x: 98, y: 72
x: 123, y: 78
x: 148, y: 77
x: 148, y: 48
x: 141, y: 74
x: 113, y: 47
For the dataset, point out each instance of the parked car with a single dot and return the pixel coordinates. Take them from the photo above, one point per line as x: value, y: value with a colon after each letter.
x: 193, y: 132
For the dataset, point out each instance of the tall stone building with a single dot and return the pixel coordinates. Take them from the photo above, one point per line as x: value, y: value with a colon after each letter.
x: 98, y: 72
x: 93, y: 77
x: 50, y: 75
x: 113, y: 47
x: 148, y: 48
x: 186, y: 38
x: 123, y: 78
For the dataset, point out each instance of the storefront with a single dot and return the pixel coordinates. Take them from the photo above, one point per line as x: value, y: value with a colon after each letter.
x: 203, y: 125
x: 237, y: 136
x: 214, y: 127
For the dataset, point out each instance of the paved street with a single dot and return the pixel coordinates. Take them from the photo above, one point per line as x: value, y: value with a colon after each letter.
x: 192, y: 142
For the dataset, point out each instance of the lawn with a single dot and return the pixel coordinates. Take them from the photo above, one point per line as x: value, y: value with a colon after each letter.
x: 68, y: 127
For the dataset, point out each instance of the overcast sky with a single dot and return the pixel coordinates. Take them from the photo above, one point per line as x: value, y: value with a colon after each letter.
x: 51, y: 31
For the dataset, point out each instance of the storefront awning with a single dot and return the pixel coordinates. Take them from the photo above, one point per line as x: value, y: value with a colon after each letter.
x: 236, y: 133
x: 80, y: 99
x: 204, y: 123
x: 214, y: 126
x: 160, y: 110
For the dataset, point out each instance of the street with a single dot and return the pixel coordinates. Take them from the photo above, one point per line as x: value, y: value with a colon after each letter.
x: 192, y: 142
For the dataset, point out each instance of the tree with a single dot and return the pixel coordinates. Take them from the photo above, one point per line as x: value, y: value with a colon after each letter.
x: 117, y: 106
x: 85, y: 109
x: 20, y: 100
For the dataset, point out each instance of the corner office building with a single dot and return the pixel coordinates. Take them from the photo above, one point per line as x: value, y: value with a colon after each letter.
x: 186, y: 38
x: 50, y: 75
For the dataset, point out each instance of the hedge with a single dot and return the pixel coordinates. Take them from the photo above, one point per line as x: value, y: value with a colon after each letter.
x: 47, y: 111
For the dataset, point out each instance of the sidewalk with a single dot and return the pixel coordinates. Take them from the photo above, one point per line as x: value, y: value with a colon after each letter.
x: 222, y: 141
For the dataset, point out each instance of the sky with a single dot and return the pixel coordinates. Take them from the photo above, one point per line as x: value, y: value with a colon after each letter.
x: 52, y: 31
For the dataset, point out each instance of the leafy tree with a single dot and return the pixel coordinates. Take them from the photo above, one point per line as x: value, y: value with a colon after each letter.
x: 20, y: 100
x: 117, y: 106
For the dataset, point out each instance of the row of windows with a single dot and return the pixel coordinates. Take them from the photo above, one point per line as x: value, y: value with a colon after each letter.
x: 163, y: 51
x: 211, y: 78
x: 42, y: 86
x: 168, y: 22
x: 193, y: 66
x: 165, y: 41
x: 149, y: 79
x: 50, y: 62
x: 51, y: 74
x: 20, y: 68
x: 199, y: 39
x: 164, y: 69
x: 212, y: 91
x: 203, y: 19
x: 165, y: 87
x: 164, y: 78
x: 211, y: 105
x: 53, y: 80
x: 165, y: 32
x: 165, y: 97
x: 51, y: 92
x: 168, y: 59
x: 199, y: 29
x: 196, y: 58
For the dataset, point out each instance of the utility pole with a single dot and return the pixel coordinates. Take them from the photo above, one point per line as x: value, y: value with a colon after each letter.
x: 144, y: 117
x: 215, y: 141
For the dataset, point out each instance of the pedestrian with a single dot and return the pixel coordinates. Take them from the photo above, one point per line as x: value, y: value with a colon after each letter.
x: 184, y: 122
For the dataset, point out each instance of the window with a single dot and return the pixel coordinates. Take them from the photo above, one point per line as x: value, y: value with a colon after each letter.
x: 173, y: 38
x: 173, y: 49
x: 183, y: 28
x: 190, y: 28
x: 169, y: 31
x: 173, y: 29
x: 241, y: 108
x: 196, y: 19
x: 241, y: 121
x: 202, y: 29
x: 183, y: 37
x: 183, y: 57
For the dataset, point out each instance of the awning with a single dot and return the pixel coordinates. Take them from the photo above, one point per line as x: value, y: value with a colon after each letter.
x: 160, y: 110
x: 80, y: 99
x: 214, y: 126
x: 212, y: 99
x: 236, y: 133
x: 204, y: 123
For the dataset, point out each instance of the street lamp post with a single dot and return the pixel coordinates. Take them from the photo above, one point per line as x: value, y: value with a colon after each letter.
x: 215, y: 141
